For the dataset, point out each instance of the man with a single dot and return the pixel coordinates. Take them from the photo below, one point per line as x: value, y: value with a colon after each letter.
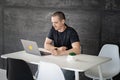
x: 62, y: 40
x: 65, y: 38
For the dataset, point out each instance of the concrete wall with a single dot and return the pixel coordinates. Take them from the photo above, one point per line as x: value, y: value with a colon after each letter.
x: 34, y: 25
x: 97, y: 23
x: 1, y: 33
x: 111, y: 27
x: 30, y: 19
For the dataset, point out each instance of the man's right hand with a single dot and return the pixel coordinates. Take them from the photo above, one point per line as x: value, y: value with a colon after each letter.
x: 58, y: 50
x: 63, y: 48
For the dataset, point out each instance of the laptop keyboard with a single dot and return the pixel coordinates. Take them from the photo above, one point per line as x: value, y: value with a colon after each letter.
x: 44, y: 53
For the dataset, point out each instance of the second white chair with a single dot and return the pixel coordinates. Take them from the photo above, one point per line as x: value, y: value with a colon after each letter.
x: 109, y: 69
x: 49, y: 71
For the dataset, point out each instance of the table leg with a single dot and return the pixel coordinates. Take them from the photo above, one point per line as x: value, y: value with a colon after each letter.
x: 100, y: 73
x: 76, y: 75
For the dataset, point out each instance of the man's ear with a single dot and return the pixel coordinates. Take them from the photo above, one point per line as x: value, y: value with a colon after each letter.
x: 63, y: 21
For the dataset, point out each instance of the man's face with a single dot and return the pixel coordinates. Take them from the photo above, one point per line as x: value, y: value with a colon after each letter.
x: 56, y: 22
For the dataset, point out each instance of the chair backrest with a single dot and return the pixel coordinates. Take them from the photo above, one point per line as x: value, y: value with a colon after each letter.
x: 112, y: 51
x: 49, y: 71
x: 18, y: 70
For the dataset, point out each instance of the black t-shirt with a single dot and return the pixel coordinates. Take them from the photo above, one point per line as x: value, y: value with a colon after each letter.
x: 65, y: 38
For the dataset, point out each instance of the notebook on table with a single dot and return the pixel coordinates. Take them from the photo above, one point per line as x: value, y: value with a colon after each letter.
x: 31, y: 47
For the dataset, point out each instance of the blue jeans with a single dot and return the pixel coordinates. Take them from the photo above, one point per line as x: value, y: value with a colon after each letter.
x: 69, y: 75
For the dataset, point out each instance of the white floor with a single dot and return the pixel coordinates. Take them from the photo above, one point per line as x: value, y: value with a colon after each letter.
x: 3, y: 74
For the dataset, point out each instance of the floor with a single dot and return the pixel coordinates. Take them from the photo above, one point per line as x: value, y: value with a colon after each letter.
x: 3, y: 74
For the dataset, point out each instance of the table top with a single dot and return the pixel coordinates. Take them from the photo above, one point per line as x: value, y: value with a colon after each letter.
x: 82, y: 63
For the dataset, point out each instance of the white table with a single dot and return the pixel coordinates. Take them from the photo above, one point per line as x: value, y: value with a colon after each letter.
x: 83, y: 62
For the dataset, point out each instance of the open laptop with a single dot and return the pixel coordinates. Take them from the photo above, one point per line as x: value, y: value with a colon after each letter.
x: 32, y: 48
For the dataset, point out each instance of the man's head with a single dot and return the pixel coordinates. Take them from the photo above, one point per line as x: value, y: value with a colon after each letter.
x: 58, y: 20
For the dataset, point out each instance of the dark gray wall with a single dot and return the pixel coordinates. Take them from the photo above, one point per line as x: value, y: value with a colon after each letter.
x: 1, y: 33
x: 31, y: 20
x: 97, y: 23
x: 34, y: 25
x: 111, y: 27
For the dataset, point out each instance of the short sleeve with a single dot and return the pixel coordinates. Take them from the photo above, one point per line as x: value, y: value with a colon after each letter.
x: 74, y: 36
x: 50, y: 34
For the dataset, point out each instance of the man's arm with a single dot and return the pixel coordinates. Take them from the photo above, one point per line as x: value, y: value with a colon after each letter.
x: 61, y: 50
x: 48, y: 44
x: 75, y: 48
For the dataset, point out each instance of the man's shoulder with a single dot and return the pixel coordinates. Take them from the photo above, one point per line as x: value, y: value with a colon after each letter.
x: 71, y: 29
x: 52, y: 29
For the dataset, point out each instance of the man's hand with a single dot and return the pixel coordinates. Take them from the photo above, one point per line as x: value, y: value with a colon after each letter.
x: 58, y: 50
x: 63, y: 48
x: 54, y: 52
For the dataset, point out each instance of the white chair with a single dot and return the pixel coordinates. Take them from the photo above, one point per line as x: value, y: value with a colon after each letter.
x: 49, y: 71
x: 109, y: 69
x: 3, y: 74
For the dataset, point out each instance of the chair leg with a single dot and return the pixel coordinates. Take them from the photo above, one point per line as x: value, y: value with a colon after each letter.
x: 103, y: 79
x: 111, y: 79
x: 95, y: 79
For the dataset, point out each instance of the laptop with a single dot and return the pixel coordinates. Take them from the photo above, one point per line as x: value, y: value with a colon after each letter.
x: 32, y: 48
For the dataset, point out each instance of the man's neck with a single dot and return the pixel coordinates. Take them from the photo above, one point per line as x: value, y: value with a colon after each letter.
x: 62, y: 29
